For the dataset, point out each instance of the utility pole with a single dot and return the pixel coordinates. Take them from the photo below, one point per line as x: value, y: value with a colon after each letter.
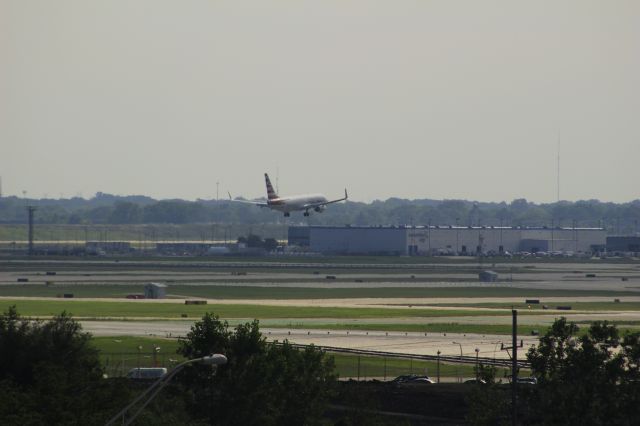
x: 30, y: 211
x: 477, y: 365
x: 514, y: 369
x: 514, y: 365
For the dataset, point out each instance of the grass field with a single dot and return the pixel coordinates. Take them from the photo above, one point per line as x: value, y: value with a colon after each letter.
x: 423, y: 328
x: 143, y: 309
x: 378, y: 367
x: 120, y: 354
x: 581, y: 306
x: 275, y: 292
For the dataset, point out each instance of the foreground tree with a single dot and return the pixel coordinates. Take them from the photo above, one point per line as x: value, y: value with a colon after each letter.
x: 50, y: 374
x: 488, y: 402
x: 588, y: 379
x: 262, y: 384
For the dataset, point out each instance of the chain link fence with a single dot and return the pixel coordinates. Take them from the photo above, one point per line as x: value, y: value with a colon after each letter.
x: 348, y: 366
x: 119, y: 364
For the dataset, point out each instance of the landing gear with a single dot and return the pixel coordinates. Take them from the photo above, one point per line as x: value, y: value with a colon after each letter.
x: 287, y: 214
x: 306, y: 213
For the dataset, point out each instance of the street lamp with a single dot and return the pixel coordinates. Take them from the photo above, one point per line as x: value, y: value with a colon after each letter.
x: 158, y: 385
x: 477, y: 352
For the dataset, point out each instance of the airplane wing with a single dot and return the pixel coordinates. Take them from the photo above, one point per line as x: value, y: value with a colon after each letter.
x: 255, y: 203
x: 314, y: 205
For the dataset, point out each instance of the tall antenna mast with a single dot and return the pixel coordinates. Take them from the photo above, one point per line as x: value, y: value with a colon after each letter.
x: 558, y: 180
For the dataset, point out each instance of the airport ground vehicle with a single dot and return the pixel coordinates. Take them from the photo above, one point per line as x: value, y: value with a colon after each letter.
x: 148, y: 373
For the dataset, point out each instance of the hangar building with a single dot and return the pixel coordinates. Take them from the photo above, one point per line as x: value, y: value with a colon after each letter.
x: 434, y: 240
x: 623, y: 244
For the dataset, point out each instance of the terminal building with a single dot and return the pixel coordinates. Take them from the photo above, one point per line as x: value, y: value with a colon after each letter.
x: 445, y: 240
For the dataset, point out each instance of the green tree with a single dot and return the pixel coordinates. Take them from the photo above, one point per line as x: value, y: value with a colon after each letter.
x: 584, y: 380
x: 50, y: 374
x: 262, y: 384
x: 125, y: 212
x: 489, y: 401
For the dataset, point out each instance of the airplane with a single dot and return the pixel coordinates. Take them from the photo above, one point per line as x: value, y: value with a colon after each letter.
x: 286, y: 205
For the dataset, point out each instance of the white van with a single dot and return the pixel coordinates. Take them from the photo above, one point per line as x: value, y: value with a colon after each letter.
x: 152, y: 373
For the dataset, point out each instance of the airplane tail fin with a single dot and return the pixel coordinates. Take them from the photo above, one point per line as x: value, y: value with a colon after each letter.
x: 271, y: 194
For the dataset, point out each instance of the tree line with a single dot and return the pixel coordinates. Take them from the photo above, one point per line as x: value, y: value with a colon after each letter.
x: 617, y: 218
x: 50, y: 373
x: 590, y: 378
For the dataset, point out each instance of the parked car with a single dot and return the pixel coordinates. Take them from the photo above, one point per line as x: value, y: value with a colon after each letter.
x: 527, y: 381
x: 412, y: 379
x: 475, y: 381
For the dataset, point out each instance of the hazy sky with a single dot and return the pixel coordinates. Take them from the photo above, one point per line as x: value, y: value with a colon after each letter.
x: 412, y: 99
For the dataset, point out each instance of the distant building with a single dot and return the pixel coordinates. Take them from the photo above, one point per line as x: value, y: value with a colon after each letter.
x: 183, y: 248
x: 488, y: 276
x: 628, y: 244
x: 107, y: 247
x: 350, y: 240
x: 155, y: 291
x: 207, y: 249
x: 444, y: 240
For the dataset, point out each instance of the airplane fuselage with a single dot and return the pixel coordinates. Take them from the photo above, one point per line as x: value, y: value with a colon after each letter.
x: 286, y: 205
x: 295, y: 202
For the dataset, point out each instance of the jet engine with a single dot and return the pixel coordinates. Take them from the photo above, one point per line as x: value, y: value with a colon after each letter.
x: 320, y: 209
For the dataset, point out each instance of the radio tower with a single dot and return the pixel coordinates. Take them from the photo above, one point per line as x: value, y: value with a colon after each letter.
x: 558, y: 177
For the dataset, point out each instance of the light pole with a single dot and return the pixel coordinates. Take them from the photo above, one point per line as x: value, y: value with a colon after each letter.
x: 457, y: 250
x: 495, y: 348
x: 456, y: 343
x: 438, y: 365
x: 156, y: 387
x: 156, y: 351
x: 477, y: 352
x: 460, y: 344
x: 429, y: 235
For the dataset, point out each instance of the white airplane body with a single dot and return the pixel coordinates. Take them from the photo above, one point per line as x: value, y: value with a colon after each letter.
x: 288, y: 204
